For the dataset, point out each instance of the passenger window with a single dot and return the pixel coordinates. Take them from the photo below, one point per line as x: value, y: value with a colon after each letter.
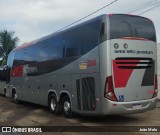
x: 32, y: 54
x: 10, y: 59
x: 53, y: 48
x: 43, y: 52
x: 56, y: 47
x: 102, y: 29
x: 3, y: 73
x: 90, y: 36
x: 103, y: 32
x: 73, y: 43
x: 20, y: 57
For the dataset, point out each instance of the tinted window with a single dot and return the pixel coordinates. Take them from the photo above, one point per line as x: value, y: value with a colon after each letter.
x: 103, y: 32
x: 73, y: 43
x: 56, y: 47
x: 10, y: 59
x: 43, y: 52
x: 90, y: 36
x: 3, y: 73
x: 52, y: 48
x: 32, y: 54
x: 131, y: 26
x: 20, y: 57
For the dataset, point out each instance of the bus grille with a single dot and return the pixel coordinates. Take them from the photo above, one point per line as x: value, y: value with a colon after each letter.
x: 88, y: 94
x: 134, y: 62
x: 78, y: 94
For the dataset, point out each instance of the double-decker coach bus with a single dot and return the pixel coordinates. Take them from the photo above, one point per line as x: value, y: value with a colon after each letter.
x: 106, y: 65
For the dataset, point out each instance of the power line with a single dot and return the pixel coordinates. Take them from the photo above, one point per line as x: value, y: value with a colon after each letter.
x: 150, y: 9
x: 89, y: 15
x: 145, y: 5
x: 153, y: 4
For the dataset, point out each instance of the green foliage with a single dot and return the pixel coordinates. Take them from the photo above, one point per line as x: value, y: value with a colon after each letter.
x: 7, y: 43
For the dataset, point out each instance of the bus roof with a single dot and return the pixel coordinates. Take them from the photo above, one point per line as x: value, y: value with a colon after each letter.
x: 58, y: 32
x: 65, y: 30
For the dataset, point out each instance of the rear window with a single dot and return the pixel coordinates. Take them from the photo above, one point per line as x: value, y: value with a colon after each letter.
x: 131, y: 26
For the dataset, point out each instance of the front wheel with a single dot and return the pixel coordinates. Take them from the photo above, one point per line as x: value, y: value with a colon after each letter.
x: 15, y: 97
x: 67, y: 111
x: 53, y: 105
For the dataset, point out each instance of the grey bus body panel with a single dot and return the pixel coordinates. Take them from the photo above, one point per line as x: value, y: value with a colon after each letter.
x: 62, y: 81
x: 115, y: 108
x: 133, y: 89
x: 133, y: 93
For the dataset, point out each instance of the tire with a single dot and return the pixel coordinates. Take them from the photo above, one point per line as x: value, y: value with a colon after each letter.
x: 53, y: 105
x: 67, y: 111
x: 15, y: 97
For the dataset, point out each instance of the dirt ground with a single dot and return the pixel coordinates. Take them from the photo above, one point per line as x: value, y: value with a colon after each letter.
x: 26, y: 114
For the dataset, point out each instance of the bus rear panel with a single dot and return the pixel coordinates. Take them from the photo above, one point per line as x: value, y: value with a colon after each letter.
x: 131, y: 82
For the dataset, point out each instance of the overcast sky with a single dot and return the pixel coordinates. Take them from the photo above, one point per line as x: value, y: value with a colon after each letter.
x: 33, y: 19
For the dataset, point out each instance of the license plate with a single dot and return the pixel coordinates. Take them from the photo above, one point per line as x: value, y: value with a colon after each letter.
x: 137, y: 106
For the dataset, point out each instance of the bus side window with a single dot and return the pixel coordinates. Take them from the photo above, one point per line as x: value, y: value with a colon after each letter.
x: 102, y: 29
x: 8, y: 75
x: 103, y: 33
x: 32, y: 54
x: 9, y: 65
x: 73, y: 43
x: 20, y: 57
x: 2, y: 75
x: 43, y: 52
x: 90, y: 36
x: 51, y: 49
x: 56, y: 47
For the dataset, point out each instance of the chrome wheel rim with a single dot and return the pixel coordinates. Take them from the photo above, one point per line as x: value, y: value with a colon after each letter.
x: 53, y: 104
x: 15, y: 97
x: 67, y: 106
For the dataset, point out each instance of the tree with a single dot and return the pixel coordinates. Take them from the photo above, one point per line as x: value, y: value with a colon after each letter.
x: 7, y: 43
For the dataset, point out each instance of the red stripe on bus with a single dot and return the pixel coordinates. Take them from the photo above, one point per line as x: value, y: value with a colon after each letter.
x: 24, y: 45
x: 17, y: 71
x: 121, y: 75
x: 134, y: 38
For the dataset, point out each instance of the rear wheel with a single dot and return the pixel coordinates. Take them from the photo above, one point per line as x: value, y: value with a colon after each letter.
x: 67, y: 111
x: 53, y: 105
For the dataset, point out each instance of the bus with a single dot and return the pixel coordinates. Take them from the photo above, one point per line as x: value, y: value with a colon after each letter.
x: 104, y: 66
x: 3, y: 74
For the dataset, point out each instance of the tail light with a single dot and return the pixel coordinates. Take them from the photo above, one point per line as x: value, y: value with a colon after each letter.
x: 109, y: 90
x: 155, y: 87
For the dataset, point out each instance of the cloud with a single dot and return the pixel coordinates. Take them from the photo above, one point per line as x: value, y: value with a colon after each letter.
x: 32, y: 19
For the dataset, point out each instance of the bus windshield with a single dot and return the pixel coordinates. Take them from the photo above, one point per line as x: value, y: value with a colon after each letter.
x: 131, y: 26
